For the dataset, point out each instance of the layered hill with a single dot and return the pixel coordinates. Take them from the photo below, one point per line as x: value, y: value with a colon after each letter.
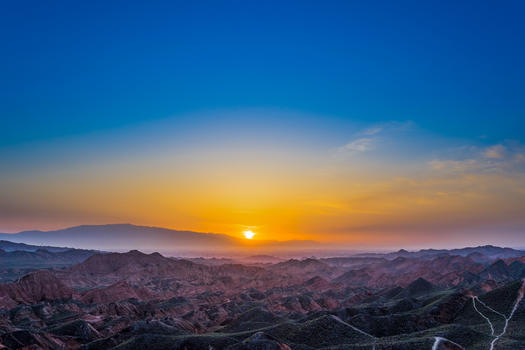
x: 8, y: 246
x: 18, y: 259
x: 487, y: 252
x: 135, y: 300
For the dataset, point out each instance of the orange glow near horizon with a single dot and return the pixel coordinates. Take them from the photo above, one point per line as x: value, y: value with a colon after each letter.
x: 348, y: 195
x: 360, y: 210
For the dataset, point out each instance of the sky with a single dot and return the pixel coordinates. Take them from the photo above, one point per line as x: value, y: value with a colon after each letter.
x: 370, y: 124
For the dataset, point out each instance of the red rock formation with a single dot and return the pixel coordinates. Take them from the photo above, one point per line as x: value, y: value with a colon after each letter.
x: 119, y: 291
x: 34, y: 287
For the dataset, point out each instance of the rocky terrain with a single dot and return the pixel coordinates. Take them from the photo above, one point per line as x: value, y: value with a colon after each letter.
x: 460, y: 299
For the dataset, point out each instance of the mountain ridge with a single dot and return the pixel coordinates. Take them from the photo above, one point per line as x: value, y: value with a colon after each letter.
x: 123, y: 237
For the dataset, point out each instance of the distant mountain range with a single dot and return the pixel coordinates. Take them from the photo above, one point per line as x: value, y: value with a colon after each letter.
x: 486, y: 252
x: 8, y: 246
x: 123, y: 237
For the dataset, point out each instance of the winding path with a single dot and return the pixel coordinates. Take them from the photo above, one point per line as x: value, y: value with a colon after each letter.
x: 507, y: 319
x: 440, y: 339
x: 355, y: 329
x: 474, y: 298
x: 488, y: 307
x: 519, y: 298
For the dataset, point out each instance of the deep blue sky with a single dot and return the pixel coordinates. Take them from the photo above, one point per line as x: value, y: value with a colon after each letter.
x: 454, y: 68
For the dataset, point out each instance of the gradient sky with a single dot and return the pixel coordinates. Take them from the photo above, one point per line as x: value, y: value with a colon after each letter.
x: 377, y: 124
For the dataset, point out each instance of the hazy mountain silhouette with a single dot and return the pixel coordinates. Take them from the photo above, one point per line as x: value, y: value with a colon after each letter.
x: 123, y: 237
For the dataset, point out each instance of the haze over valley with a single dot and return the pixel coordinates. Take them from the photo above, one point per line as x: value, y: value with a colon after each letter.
x: 58, y: 298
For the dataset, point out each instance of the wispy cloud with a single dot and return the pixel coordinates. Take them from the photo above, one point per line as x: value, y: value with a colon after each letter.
x: 387, y: 127
x: 368, y: 138
x: 359, y: 145
x: 373, y: 130
x: 491, y: 159
x: 495, y: 152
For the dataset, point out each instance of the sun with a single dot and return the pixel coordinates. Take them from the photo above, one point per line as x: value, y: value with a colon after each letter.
x: 248, y: 234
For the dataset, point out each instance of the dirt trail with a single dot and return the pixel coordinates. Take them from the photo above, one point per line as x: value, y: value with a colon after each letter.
x: 474, y: 298
x: 488, y: 307
x: 521, y: 292
x: 355, y: 329
x: 519, y: 298
x: 440, y: 339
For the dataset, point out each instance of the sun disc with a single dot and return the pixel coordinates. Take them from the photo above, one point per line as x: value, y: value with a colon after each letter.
x: 249, y: 234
